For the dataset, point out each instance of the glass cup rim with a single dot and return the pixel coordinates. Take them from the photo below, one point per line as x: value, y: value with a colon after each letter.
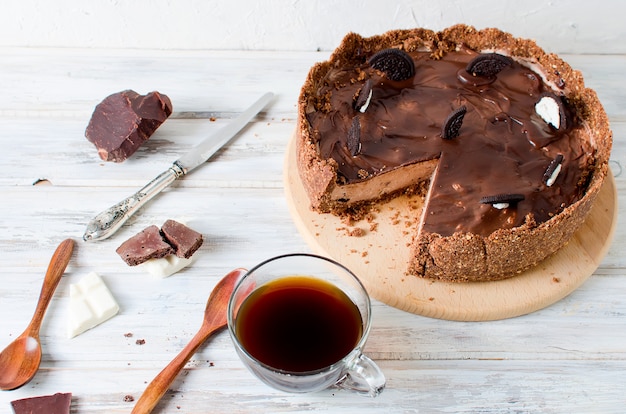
x: 354, y: 353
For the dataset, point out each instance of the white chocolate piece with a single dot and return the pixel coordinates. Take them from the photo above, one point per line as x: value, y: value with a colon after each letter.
x: 548, y: 109
x: 166, y: 266
x: 91, y: 303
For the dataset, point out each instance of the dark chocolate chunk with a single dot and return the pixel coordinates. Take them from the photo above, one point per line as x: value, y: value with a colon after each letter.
x: 125, y: 120
x: 488, y: 65
x: 502, y: 200
x: 185, y: 240
x: 553, y: 170
x: 58, y: 403
x: 395, y: 63
x: 354, y: 137
x: 143, y: 246
x: 363, y: 98
x: 452, y: 125
x: 551, y: 109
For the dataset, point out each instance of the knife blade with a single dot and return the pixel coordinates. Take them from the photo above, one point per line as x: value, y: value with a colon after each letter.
x: 106, y: 223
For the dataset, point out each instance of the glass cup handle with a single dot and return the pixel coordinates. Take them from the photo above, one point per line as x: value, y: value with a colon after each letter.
x: 364, y: 377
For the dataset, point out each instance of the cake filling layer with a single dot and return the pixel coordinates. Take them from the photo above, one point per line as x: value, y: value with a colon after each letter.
x: 502, y: 147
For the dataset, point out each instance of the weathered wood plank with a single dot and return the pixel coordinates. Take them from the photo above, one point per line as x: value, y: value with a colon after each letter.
x: 569, y: 357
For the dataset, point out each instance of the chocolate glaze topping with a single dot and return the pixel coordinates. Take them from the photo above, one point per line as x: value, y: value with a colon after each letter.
x: 503, y: 146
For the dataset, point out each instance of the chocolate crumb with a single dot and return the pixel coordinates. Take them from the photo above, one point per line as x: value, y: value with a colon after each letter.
x: 140, y: 341
x: 357, y: 232
x: 129, y: 398
x: 128, y: 335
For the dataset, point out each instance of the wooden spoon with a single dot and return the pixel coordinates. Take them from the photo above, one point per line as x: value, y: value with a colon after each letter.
x: 214, y: 320
x: 20, y: 360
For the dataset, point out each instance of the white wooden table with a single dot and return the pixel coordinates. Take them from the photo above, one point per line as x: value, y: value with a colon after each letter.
x: 569, y: 357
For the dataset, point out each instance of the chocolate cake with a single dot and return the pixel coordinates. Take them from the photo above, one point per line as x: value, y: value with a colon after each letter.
x: 184, y: 240
x: 125, y: 120
x: 503, y: 141
x: 145, y: 245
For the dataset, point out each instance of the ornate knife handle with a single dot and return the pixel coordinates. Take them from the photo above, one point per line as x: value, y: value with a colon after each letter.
x: 110, y: 220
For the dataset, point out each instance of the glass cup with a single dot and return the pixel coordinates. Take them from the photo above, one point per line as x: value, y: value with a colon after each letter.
x: 353, y: 371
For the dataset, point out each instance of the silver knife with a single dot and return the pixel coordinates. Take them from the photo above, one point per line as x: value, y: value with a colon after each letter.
x: 109, y: 221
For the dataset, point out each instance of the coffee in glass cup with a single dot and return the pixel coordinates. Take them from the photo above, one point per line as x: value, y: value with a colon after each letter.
x: 299, y: 322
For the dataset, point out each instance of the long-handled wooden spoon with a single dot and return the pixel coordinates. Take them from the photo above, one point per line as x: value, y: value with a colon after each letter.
x: 20, y: 360
x: 214, y: 320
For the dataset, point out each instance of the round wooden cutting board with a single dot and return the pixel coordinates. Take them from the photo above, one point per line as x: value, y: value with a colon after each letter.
x: 380, y: 255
